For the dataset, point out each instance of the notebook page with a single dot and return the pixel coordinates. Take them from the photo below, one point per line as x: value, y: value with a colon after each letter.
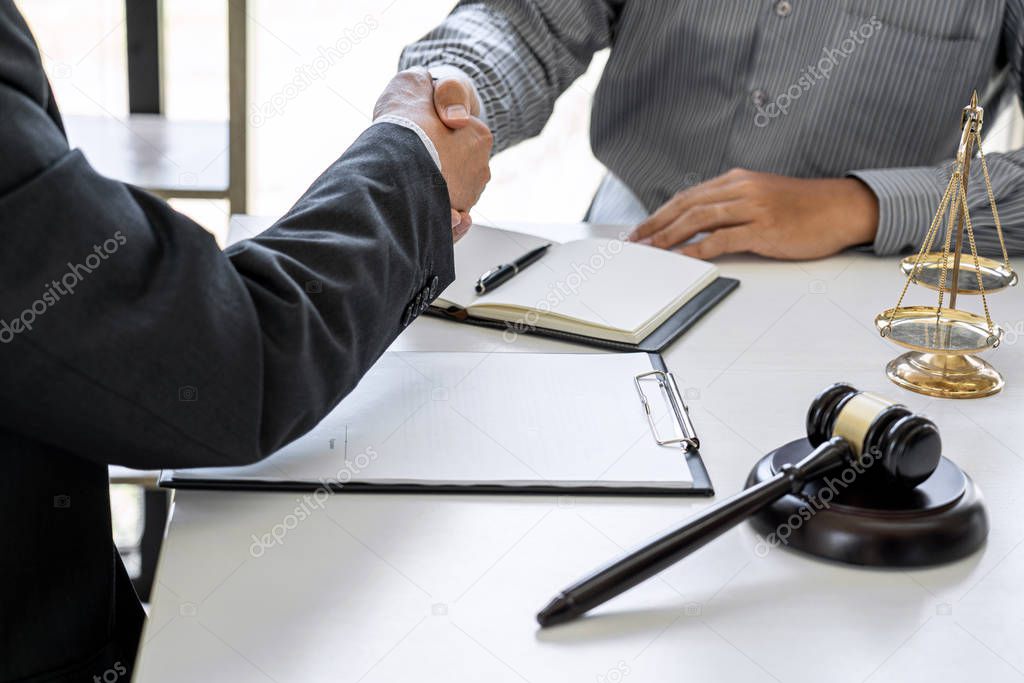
x: 607, y: 283
x: 480, y: 250
x: 500, y: 418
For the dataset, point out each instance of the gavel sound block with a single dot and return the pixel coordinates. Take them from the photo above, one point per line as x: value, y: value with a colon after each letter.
x: 900, y: 508
x: 869, y: 486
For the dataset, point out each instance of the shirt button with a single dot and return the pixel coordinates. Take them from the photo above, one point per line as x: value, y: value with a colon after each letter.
x: 783, y: 8
x: 759, y: 97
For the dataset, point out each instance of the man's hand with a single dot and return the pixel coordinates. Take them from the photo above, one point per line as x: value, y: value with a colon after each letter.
x: 771, y: 215
x: 461, y: 223
x: 455, y: 98
x: 464, y: 153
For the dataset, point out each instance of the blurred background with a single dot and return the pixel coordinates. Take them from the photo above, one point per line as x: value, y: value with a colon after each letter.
x: 84, y: 52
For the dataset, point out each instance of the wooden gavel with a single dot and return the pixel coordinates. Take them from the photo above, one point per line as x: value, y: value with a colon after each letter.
x: 880, y: 440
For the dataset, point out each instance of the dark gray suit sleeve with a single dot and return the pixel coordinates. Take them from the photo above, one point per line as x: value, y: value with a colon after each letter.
x: 127, y: 336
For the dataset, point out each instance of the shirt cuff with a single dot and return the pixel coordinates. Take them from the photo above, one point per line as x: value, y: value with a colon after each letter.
x: 440, y: 71
x: 411, y: 125
x: 907, y: 201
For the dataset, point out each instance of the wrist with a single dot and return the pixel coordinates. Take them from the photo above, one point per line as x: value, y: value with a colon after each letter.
x: 861, y: 208
x: 408, y: 123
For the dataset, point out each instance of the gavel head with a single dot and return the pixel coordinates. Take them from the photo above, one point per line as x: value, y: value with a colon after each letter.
x: 903, y: 446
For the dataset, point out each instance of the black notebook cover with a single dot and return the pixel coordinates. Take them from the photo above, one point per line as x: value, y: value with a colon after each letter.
x: 656, y: 342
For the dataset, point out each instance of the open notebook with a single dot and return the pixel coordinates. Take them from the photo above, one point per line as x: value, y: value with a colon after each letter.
x: 597, y: 288
x: 428, y: 421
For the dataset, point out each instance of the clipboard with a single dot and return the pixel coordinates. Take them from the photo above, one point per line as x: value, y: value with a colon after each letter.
x: 423, y: 422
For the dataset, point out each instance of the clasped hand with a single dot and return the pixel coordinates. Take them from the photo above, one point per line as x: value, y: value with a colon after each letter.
x: 463, y: 143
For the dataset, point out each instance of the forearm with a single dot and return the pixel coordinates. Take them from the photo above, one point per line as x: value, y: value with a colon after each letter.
x: 520, y: 54
x: 172, y: 353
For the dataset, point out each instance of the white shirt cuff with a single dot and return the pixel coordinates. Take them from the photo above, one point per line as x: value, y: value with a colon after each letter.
x: 411, y: 125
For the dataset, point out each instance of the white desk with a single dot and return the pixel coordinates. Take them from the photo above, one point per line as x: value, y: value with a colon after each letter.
x: 445, y: 588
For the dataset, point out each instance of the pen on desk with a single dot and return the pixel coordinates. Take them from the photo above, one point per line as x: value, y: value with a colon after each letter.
x: 505, y: 272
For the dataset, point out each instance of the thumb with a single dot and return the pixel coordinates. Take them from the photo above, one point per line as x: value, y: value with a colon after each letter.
x: 465, y: 223
x: 455, y: 102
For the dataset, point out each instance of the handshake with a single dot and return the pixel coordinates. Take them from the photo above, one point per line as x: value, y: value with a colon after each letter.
x: 446, y: 110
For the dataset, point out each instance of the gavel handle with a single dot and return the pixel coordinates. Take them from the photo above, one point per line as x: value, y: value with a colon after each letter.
x: 645, y: 562
x: 699, y: 531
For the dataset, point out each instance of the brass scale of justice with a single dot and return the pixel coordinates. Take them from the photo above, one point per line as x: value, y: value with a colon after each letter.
x: 944, y: 339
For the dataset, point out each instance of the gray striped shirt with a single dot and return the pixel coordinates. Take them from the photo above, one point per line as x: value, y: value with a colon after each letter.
x: 807, y: 88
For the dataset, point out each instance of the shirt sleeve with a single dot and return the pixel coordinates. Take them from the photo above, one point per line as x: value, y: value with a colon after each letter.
x: 520, y: 54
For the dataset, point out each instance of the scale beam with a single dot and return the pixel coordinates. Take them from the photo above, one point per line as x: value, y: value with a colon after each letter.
x: 944, y: 339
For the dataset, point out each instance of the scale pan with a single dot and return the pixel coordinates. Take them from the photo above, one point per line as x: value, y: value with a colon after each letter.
x: 953, y: 332
x: 994, y: 275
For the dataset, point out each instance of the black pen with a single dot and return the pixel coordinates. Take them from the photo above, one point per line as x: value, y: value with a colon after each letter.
x: 505, y: 272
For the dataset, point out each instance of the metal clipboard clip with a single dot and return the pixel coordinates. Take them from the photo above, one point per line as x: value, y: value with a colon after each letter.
x: 667, y: 383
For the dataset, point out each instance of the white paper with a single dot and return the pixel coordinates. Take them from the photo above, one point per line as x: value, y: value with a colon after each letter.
x: 499, y: 418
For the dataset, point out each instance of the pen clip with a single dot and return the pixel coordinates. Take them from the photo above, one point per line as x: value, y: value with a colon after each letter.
x: 681, y: 414
x: 487, y: 273
x: 483, y: 277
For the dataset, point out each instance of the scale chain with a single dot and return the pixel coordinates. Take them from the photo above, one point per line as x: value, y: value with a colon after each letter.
x: 925, y: 248
x: 956, y: 183
x: 992, y: 202
x: 974, y: 253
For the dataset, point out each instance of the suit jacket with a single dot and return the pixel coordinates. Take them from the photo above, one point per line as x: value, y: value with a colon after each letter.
x: 811, y: 88
x: 127, y: 336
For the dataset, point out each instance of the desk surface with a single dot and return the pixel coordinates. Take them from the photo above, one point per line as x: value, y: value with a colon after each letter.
x: 445, y: 587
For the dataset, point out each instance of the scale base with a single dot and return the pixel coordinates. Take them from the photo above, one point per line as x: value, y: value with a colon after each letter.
x: 866, y: 523
x: 945, y: 376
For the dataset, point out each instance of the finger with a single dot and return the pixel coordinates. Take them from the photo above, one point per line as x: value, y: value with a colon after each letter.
x: 456, y: 219
x: 476, y: 171
x: 454, y: 102
x: 459, y: 231
x: 482, y: 136
x: 726, y: 241
x: 715, y: 190
x: 409, y: 85
x: 698, y: 219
